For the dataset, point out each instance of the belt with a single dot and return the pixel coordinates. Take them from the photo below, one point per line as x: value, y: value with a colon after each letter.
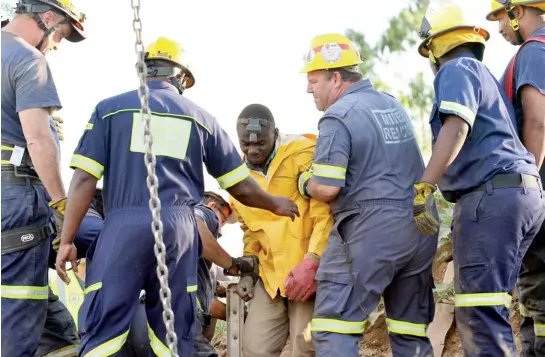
x: 15, y: 176
x: 498, y: 182
x: 25, y: 238
x: 7, y: 151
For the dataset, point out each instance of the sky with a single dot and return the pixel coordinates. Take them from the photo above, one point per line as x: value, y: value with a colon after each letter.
x: 242, y: 52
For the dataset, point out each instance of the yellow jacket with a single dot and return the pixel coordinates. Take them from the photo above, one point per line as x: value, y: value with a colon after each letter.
x: 279, y: 243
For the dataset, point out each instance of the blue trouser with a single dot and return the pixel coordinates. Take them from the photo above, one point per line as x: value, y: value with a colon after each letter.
x: 531, y: 287
x: 124, y: 263
x: 492, y: 231
x: 24, y: 273
x: 372, y: 252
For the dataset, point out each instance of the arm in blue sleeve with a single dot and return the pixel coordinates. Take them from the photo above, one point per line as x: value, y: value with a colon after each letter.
x: 332, y: 153
x: 457, y: 91
x: 529, y: 68
x: 208, y: 217
x: 90, y: 154
x: 222, y: 160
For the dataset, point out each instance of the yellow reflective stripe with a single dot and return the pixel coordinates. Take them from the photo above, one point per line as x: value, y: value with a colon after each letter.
x: 25, y: 292
x: 329, y: 171
x: 156, y: 345
x: 338, y: 326
x: 524, y: 311
x: 191, y: 288
x: 6, y: 162
x: 110, y: 347
x: 9, y: 148
x: 67, y: 351
x: 89, y: 126
x: 406, y: 328
x: 539, y: 330
x: 232, y: 178
x: 88, y: 165
x: 464, y: 111
x: 137, y: 110
x: 92, y: 287
x: 482, y: 299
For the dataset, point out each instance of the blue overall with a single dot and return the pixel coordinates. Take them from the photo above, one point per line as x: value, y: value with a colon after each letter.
x: 367, y: 147
x: 493, y: 225
x: 27, y: 83
x: 531, y: 284
x: 206, y: 284
x: 186, y: 139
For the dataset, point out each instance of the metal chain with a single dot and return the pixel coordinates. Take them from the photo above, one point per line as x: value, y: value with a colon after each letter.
x: 153, y: 184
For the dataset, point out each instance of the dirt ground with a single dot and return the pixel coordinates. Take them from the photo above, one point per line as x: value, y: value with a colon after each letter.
x: 376, y: 343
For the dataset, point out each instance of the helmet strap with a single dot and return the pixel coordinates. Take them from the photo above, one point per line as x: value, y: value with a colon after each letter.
x: 175, y: 75
x: 514, y: 22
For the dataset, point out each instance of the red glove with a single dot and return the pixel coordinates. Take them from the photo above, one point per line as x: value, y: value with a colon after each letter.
x: 300, y: 284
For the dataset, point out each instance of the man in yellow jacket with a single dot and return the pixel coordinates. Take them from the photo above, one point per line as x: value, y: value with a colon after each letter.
x: 288, y: 251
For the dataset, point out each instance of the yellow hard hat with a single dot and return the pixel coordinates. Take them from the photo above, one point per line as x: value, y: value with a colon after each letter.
x: 498, y: 5
x: 170, y: 51
x: 329, y: 51
x: 65, y: 7
x: 447, y: 28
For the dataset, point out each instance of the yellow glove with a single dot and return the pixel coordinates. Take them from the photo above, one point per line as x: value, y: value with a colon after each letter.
x: 58, y: 125
x: 422, y: 208
x: 58, y: 210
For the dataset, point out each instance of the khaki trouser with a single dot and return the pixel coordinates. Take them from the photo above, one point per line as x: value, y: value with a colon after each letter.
x: 269, y: 323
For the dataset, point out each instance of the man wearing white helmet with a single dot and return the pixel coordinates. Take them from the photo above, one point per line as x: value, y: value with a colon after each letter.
x: 522, y: 23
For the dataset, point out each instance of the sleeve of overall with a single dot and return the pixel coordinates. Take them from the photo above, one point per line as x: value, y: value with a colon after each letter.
x: 34, y: 85
x: 90, y: 154
x: 458, y: 91
x: 529, y: 69
x: 332, y: 153
x: 208, y: 217
x: 221, y: 158
x: 319, y: 212
x: 251, y: 245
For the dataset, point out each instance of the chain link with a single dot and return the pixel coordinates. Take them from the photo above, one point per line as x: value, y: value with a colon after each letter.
x: 152, y: 183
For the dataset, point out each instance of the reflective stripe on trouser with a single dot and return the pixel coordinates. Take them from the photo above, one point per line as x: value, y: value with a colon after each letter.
x: 59, y: 337
x: 491, y: 232
x: 375, y: 258
x: 531, y: 289
x: 24, y: 273
x: 123, y: 264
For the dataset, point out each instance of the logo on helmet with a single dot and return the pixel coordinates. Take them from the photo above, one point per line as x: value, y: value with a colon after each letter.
x: 331, y: 52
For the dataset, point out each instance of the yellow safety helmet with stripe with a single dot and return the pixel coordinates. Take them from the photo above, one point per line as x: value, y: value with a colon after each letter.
x: 328, y: 51
x: 447, y: 28
x: 168, y: 50
x: 496, y: 6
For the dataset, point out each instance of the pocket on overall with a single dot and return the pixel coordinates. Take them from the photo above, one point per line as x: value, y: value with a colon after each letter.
x: 17, y: 206
x: 190, y: 317
x: 91, y: 310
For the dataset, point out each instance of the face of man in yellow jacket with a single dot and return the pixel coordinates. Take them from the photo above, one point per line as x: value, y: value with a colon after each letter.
x: 288, y: 252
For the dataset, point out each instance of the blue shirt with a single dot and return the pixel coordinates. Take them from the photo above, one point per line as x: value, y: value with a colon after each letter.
x: 27, y: 83
x: 366, y: 145
x: 184, y: 137
x: 465, y: 87
x: 529, y: 70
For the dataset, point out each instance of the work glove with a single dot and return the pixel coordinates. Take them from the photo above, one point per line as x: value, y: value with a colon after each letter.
x: 58, y: 125
x: 241, y: 266
x: 300, y: 284
x: 245, y: 287
x: 58, y: 211
x: 302, y: 183
x: 422, y: 208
